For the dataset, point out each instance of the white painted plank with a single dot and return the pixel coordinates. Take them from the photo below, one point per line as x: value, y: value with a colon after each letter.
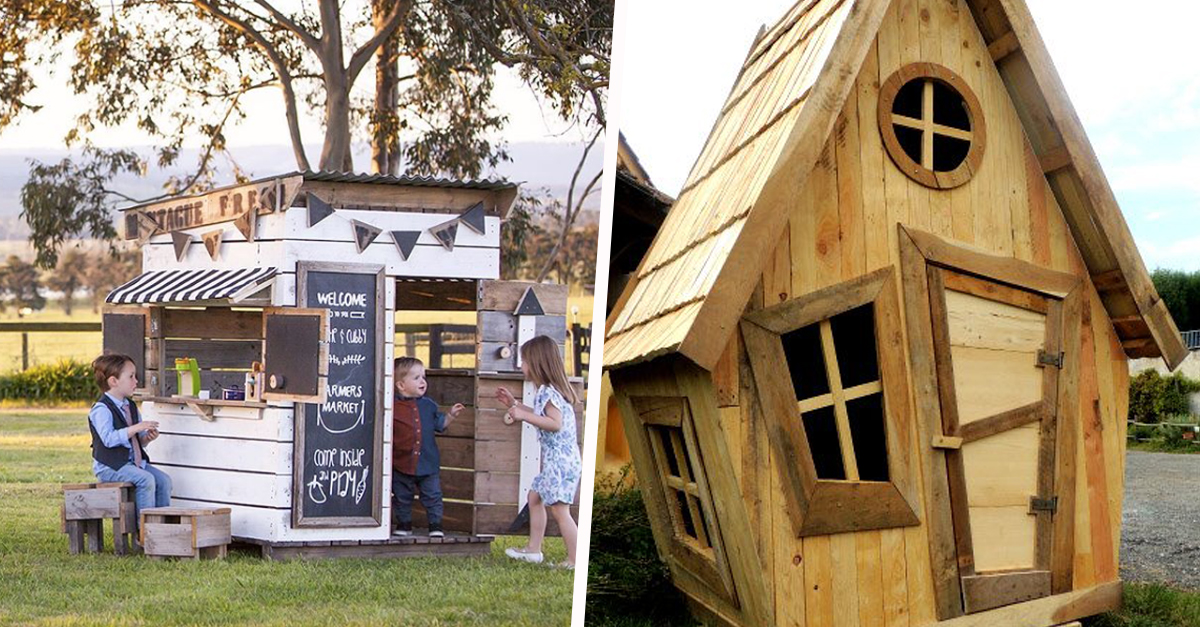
x: 464, y: 262
x: 161, y: 256
x: 225, y: 486
x: 223, y: 453
x: 293, y: 225
x: 272, y: 423
x: 275, y: 525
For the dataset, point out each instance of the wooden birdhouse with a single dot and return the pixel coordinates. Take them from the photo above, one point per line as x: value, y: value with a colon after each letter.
x: 873, y: 367
x: 305, y: 274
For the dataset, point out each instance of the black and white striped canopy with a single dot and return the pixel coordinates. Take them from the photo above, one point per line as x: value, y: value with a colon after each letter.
x: 174, y: 286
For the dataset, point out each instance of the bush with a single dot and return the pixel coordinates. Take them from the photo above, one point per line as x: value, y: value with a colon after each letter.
x: 1155, y: 398
x: 627, y: 582
x: 67, y: 381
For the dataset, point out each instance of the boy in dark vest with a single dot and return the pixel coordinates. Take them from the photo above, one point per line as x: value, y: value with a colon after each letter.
x: 415, y: 460
x: 119, y: 434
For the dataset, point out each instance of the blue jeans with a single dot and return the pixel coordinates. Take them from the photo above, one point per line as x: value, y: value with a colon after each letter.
x: 405, y: 486
x: 153, y: 485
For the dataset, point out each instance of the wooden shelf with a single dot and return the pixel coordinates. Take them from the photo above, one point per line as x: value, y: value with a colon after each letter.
x: 212, y: 402
x: 203, y: 407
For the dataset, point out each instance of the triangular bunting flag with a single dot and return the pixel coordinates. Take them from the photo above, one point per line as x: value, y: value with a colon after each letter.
x: 182, y: 241
x: 148, y: 226
x: 529, y: 305
x: 212, y: 241
x: 364, y: 234
x: 247, y: 224
x: 473, y: 217
x: 405, y: 241
x: 445, y: 233
x: 267, y: 198
x: 317, y: 209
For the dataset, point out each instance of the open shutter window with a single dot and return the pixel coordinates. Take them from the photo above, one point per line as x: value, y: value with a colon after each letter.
x: 295, y: 354
x: 124, y: 330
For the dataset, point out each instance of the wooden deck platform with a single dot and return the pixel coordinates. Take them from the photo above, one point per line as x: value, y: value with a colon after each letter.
x: 409, y: 546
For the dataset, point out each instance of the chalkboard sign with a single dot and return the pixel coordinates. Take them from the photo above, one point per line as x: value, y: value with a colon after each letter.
x: 338, y: 448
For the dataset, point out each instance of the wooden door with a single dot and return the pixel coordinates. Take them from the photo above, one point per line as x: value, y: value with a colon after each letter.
x: 998, y: 354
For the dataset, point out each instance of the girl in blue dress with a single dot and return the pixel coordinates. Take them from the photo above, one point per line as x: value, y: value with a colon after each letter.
x: 553, y: 414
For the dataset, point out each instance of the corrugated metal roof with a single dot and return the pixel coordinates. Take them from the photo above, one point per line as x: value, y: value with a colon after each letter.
x: 411, y: 181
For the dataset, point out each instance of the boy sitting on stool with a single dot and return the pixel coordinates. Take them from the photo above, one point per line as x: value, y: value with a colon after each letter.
x: 415, y: 461
x: 119, y: 433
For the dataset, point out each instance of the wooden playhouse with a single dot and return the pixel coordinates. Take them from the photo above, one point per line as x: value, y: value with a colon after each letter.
x: 304, y: 274
x: 873, y: 369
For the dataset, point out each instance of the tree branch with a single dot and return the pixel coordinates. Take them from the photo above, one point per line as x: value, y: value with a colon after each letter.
x: 360, y: 57
x: 309, y: 40
x: 573, y: 208
x: 285, y: 76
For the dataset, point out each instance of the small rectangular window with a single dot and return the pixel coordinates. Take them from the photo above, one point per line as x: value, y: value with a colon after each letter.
x: 674, y: 459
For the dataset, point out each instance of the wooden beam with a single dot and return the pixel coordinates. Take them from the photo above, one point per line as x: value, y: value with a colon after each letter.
x: 1055, y: 159
x: 947, y: 442
x: 1003, y: 46
x: 1051, y: 610
x: 1110, y: 281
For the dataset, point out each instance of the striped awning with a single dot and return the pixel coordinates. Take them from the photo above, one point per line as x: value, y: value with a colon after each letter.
x: 175, y: 286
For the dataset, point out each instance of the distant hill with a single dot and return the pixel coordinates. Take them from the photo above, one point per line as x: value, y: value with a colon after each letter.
x: 535, y: 165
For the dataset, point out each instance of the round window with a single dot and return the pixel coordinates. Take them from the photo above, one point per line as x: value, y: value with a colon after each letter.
x: 932, y: 125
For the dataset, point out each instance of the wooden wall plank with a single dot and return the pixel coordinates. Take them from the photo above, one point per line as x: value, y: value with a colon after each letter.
x: 843, y: 552
x: 818, y: 578
x: 850, y: 190
x: 870, y: 578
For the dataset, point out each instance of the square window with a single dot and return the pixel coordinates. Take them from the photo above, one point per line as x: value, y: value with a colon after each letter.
x: 829, y: 371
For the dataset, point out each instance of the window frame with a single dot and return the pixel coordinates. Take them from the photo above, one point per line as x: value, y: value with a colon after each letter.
x: 710, y: 564
x: 978, y: 133
x: 826, y: 506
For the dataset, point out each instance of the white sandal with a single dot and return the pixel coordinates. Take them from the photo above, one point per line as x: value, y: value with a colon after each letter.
x: 523, y: 555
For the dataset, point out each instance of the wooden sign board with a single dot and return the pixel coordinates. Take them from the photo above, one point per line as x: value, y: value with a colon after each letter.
x: 222, y: 205
x: 338, y: 451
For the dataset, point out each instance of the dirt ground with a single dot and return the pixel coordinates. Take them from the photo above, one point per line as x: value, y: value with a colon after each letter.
x: 1160, y: 533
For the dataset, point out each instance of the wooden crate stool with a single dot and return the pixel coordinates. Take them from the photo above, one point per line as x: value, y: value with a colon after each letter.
x: 185, y: 532
x: 86, y: 505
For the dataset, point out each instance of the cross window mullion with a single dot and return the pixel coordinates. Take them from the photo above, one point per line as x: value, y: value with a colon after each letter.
x: 849, y: 462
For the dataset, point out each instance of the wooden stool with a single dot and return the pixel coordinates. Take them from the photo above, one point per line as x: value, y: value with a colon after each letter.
x: 86, y: 505
x: 185, y: 532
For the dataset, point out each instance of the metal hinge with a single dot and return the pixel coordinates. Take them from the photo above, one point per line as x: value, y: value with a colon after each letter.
x: 1047, y: 359
x: 1037, y: 504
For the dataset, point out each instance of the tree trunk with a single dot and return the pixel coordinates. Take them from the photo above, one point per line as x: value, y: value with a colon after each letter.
x: 335, y: 154
x: 385, y: 157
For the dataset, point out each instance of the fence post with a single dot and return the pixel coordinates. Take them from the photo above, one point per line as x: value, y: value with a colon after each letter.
x: 435, y: 346
x: 24, y: 351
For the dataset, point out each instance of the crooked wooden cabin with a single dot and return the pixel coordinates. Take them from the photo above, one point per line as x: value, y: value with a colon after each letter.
x: 305, y: 273
x: 872, y: 371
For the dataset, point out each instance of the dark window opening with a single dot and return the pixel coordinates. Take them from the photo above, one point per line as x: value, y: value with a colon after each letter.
x: 685, y: 515
x: 868, y: 433
x: 910, y: 141
x: 806, y: 361
x: 669, y: 452
x: 949, y: 152
x: 949, y: 108
x: 854, y: 341
x: 909, y: 99
x: 820, y: 429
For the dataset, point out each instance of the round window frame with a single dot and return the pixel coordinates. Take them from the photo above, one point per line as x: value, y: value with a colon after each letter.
x: 919, y: 173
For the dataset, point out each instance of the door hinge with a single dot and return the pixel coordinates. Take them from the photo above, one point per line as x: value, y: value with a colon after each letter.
x: 1049, y: 359
x: 1037, y: 505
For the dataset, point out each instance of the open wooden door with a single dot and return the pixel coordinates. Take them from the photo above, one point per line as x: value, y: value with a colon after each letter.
x: 998, y: 353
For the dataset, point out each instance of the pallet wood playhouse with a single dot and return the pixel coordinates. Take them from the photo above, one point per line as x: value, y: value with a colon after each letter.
x: 873, y: 368
x: 304, y: 273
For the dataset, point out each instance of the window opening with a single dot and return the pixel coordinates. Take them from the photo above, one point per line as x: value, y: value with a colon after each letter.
x: 834, y: 370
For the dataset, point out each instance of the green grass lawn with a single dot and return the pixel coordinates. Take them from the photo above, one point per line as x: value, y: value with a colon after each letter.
x: 41, y: 584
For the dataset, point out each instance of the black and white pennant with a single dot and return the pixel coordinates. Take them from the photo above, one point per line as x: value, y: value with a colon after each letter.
x: 364, y: 234
x: 182, y: 241
x: 474, y: 218
x: 405, y: 241
x: 529, y: 305
x: 212, y: 242
x: 317, y: 209
x: 445, y: 233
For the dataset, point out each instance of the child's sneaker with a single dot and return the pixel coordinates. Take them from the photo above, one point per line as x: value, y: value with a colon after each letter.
x: 523, y: 555
x: 403, y: 529
x: 435, y: 530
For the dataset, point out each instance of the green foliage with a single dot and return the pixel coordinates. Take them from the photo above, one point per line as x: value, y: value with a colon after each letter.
x: 19, y: 282
x: 1152, y: 605
x: 63, y: 382
x: 627, y: 582
x: 1181, y: 293
x: 1154, y: 398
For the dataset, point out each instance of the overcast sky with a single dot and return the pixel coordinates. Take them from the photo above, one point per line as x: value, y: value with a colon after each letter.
x: 1131, y: 74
